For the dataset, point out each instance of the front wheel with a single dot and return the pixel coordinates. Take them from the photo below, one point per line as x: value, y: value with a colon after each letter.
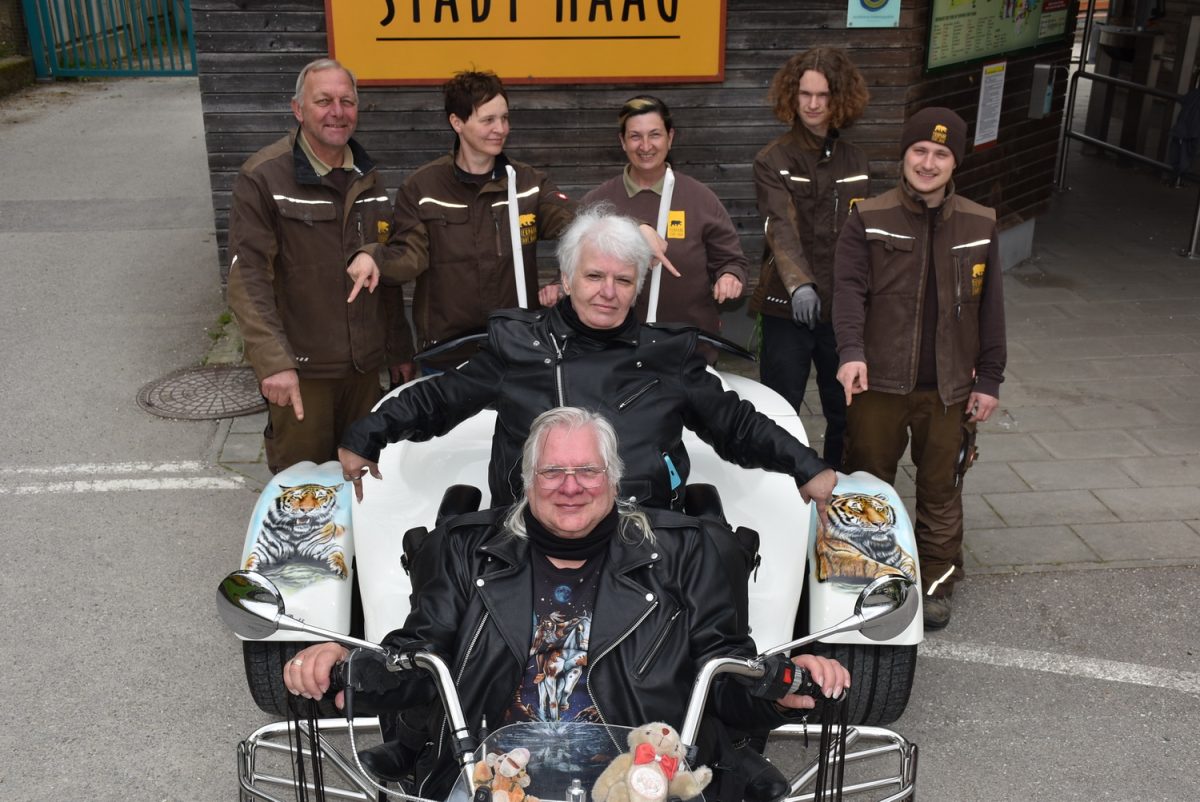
x: 264, y: 675
x: 881, y: 679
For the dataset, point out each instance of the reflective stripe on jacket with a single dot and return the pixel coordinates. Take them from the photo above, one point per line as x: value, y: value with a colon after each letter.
x: 291, y: 235
x: 881, y: 268
x: 804, y: 197
x: 453, y: 237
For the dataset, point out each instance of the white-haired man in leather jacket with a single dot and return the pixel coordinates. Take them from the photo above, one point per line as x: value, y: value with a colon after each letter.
x: 646, y: 588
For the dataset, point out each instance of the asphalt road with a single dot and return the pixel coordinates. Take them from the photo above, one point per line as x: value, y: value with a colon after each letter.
x: 123, y: 685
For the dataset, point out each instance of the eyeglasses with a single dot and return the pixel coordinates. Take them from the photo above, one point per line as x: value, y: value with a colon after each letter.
x: 588, y: 476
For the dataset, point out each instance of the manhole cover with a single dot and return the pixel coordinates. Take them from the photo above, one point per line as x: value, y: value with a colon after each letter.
x: 204, y: 393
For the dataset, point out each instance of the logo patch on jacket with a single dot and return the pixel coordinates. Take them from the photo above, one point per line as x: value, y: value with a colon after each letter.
x: 528, y: 228
x: 676, y: 224
x: 977, y: 272
x: 382, y: 229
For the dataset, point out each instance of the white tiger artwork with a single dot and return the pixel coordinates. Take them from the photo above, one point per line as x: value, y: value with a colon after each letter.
x: 299, y: 541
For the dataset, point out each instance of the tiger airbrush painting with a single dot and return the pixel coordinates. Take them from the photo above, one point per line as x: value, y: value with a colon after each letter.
x: 299, y: 540
x: 859, y: 544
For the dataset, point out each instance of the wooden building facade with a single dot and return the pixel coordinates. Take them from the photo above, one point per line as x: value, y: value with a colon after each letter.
x: 250, y: 51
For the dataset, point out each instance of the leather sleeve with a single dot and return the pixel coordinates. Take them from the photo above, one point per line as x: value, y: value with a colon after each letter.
x: 430, y: 408
x: 737, y: 431
x: 713, y: 633
x: 779, y: 213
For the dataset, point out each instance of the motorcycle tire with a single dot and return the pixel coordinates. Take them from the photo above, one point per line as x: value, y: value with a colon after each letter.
x: 881, y: 679
x: 264, y: 676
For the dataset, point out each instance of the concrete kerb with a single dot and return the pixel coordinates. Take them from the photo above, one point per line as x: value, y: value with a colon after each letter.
x: 239, y: 443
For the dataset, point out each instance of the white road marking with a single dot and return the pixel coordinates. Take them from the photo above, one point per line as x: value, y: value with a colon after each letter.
x: 125, y: 485
x: 1069, y: 665
x: 108, y: 468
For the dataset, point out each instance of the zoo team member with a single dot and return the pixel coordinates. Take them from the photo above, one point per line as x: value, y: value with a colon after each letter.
x: 648, y: 586
x: 806, y: 181
x: 301, y: 208
x: 703, y: 243
x: 590, y: 350
x: 919, y: 304
x: 451, y: 229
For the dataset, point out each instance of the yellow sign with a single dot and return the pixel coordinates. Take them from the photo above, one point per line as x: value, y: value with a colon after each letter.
x: 677, y: 224
x: 392, y: 42
x: 977, y: 272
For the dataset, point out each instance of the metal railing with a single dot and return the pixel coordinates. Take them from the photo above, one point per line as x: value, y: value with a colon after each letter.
x: 82, y: 38
x: 1081, y: 73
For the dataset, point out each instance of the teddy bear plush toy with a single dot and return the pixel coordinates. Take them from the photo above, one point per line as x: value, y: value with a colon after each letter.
x: 652, y: 770
x: 505, y: 774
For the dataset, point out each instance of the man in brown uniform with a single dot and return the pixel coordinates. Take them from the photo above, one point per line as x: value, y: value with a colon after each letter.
x: 302, y: 207
x: 918, y: 300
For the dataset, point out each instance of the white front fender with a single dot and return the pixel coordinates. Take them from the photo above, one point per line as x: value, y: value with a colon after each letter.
x: 839, y: 568
x: 301, y: 552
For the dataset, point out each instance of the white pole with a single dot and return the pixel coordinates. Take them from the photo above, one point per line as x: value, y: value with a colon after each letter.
x: 664, y: 213
x: 514, y: 231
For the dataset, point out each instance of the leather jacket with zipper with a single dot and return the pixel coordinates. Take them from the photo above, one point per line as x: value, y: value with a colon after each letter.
x: 663, y: 608
x: 647, y: 381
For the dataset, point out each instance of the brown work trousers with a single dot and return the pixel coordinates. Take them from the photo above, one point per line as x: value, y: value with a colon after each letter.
x: 330, y: 406
x: 878, y: 426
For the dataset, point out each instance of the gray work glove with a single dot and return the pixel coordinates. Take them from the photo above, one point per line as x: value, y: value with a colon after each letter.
x: 806, y: 306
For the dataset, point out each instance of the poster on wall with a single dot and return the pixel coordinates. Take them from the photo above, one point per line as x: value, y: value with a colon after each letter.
x: 969, y: 30
x: 872, y: 13
x: 991, y: 98
x: 394, y: 42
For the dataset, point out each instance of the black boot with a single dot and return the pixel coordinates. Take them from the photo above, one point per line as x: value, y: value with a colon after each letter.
x: 764, y: 782
x: 390, y: 760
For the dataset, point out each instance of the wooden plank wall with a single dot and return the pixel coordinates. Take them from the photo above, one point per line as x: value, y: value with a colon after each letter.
x: 251, y: 50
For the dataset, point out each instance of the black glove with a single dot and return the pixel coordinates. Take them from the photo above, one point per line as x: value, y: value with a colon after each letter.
x: 781, y: 678
x: 806, y: 306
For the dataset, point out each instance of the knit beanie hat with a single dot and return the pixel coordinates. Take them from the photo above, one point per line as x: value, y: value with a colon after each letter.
x: 936, y: 124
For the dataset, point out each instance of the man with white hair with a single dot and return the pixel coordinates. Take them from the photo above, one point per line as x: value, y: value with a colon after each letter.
x: 640, y: 594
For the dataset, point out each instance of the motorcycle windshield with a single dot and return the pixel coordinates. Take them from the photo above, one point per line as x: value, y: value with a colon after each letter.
x: 559, y: 752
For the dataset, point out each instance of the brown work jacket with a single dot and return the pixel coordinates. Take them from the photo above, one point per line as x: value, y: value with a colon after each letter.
x: 804, y: 195
x: 291, y: 235
x: 879, y: 290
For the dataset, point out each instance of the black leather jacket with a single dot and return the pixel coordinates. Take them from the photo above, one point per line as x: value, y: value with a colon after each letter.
x: 663, y: 608
x: 647, y: 380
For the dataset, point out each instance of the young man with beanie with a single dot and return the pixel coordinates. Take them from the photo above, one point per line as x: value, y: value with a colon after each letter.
x: 919, y: 320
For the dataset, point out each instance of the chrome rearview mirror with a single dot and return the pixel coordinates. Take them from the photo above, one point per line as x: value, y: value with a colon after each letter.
x: 253, y: 607
x: 882, y: 611
x: 250, y: 604
x: 887, y: 606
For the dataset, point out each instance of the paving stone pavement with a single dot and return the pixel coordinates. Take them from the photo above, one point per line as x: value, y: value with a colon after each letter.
x: 1093, y: 458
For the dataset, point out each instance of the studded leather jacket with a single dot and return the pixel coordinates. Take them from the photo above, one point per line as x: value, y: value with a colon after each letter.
x: 647, y: 381
x: 663, y: 608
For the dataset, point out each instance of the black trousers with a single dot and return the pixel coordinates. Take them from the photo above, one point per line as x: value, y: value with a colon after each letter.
x: 788, y: 353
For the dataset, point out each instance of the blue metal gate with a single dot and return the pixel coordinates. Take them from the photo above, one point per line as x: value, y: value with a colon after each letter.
x: 75, y: 38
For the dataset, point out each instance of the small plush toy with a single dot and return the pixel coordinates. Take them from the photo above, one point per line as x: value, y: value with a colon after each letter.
x: 651, y: 771
x: 505, y: 774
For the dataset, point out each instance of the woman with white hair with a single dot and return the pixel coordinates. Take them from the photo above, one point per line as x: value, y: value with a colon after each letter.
x: 589, y: 350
